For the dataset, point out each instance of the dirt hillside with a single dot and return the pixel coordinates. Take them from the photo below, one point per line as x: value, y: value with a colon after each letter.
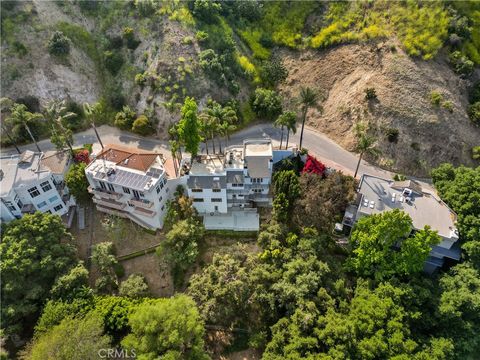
x: 427, y: 134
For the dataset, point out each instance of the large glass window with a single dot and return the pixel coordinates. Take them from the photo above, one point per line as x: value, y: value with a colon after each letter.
x: 46, y: 186
x: 111, y: 187
x: 58, y: 207
x: 33, y: 192
x: 42, y: 204
x: 10, y: 205
x: 126, y: 190
x: 198, y: 200
x: 197, y: 190
x: 53, y: 199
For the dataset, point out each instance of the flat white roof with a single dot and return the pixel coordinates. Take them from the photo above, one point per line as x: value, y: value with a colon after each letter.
x: 425, y: 209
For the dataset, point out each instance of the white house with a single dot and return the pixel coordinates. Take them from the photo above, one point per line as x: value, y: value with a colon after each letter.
x: 227, y: 189
x: 376, y: 195
x: 33, y: 181
x: 132, y: 184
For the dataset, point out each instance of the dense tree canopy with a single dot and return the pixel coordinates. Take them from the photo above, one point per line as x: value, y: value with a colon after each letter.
x: 73, y: 339
x: 460, y: 189
x: 267, y: 104
x: 168, y: 328
x: 77, y: 182
x: 188, y: 127
x: 383, y: 247
x: 35, y: 250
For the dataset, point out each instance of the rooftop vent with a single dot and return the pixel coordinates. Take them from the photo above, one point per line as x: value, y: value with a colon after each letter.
x: 126, y: 161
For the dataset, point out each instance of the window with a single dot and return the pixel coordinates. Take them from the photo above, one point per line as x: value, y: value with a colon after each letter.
x: 126, y: 190
x: 46, y: 186
x: 10, y: 205
x: 216, y: 200
x: 257, y: 190
x: 160, y: 198
x: 197, y: 190
x: 33, y: 192
x: 216, y: 190
x: 161, y: 185
x: 42, y: 204
x: 136, y: 194
x: 111, y: 187
x: 257, y: 180
x: 48, y: 212
x: 58, y: 207
x: 19, y: 204
x: 164, y: 181
x: 142, y: 194
x: 53, y: 199
x: 102, y: 185
x: 198, y: 200
x: 158, y: 189
x: 163, y: 207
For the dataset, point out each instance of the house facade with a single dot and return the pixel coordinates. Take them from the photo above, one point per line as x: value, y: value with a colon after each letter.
x: 131, y: 184
x: 227, y: 188
x: 34, y: 181
x: 376, y: 195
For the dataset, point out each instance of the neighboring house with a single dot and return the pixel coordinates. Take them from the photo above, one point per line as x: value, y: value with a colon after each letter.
x: 227, y: 189
x: 33, y: 181
x: 132, y: 184
x: 376, y: 195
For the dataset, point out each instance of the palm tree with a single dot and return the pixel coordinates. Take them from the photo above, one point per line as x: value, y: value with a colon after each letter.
x: 308, y: 98
x: 291, y: 124
x: 56, y: 113
x: 205, y: 128
x: 220, y: 115
x: 226, y: 129
x: 283, y: 121
x: 91, y: 112
x: 20, y: 115
x: 365, y: 145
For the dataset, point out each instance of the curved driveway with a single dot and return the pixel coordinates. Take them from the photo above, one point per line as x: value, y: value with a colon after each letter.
x: 325, y: 149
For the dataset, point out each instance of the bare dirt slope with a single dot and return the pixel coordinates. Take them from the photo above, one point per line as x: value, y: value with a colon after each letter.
x: 427, y: 134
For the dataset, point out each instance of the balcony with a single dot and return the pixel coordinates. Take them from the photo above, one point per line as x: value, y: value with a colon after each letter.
x: 109, y: 203
x: 144, y: 212
x: 104, y: 193
x: 28, y: 209
x: 141, y: 203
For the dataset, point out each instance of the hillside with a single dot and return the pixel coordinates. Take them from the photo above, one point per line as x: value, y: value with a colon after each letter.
x: 427, y: 134
x: 151, y: 55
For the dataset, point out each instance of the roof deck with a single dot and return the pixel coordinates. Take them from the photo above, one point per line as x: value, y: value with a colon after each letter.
x: 425, y: 208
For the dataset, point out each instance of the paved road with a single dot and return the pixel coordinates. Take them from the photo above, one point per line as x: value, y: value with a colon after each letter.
x: 325, y: 149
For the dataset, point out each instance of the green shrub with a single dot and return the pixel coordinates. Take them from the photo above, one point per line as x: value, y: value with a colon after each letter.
x: 140, y: 79
x: 129, y: 36
x: 267, y: 104
x: 113, y: 61
x: 273, y: 72
x: 392, y: 135
x: 206, y: 10
x: 460, y: 63
x: 19, y: 48
x: 476, y: 152
x: 201, y: 36
x: 370, y: 93
x: 474, y: 112
x: 399, y: 177
x: 59, y: 44
x: 124, y: 119
x: 435, y: 98
x: 448, y: 105
x: 142, y: 126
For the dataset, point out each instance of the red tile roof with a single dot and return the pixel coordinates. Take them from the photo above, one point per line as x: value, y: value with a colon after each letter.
x: 131, y: 158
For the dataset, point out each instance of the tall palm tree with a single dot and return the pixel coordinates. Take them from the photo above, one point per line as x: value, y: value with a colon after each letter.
x: 56, y: 113
x: 205, y: 128
x: 220, y: 115
x: 365, y: 145
x: 282, y: 122
x: 20, y: 115
x: 308, y: 98
x: 226, y: 129
x: 291, y: 124
x: 92, y: 112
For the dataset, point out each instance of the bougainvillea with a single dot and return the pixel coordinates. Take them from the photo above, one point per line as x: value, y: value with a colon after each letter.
x: 82, y: 156
x: 313, y: 166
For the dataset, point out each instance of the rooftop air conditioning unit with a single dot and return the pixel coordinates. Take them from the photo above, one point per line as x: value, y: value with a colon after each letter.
x: 212, y: 213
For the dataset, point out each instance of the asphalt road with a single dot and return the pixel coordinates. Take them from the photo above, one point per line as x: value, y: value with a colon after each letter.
x: 318, y: 144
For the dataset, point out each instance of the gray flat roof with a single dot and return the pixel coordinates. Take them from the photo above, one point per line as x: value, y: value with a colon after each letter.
x: 425, y: 209
x: 206, y: 182
x: 17, y: 173
x: 207, y: 165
